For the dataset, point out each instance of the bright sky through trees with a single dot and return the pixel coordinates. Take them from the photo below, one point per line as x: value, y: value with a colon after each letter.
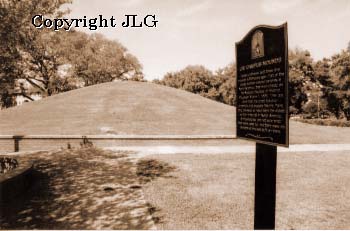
x: 204, y: 32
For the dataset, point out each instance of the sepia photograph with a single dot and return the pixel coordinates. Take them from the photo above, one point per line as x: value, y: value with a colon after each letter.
x: 174, y: 115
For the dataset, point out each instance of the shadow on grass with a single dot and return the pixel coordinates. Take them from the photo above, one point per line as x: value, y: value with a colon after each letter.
x: 30, y: 210
x: 150, y: 169
x: 80, y: 189
x: 154, y: 212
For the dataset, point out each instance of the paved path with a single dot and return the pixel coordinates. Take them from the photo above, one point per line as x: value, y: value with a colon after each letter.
x: 219, y: 149
x: 149, y: 150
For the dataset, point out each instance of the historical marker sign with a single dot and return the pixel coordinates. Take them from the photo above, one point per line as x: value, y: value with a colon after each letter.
x: 262, y: 86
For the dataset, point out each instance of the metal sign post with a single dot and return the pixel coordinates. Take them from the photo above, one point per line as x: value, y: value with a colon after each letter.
x: 265, y: 186
x: 262, y: 109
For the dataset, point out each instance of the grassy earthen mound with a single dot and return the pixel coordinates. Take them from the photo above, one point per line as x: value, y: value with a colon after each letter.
x: 139, y: 108
x: 123, y: 108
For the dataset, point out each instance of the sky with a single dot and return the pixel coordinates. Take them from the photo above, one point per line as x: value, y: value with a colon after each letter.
x: 204, y: 32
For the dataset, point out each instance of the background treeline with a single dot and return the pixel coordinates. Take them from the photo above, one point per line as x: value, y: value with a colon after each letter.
x: 317, y: 89
x: 47, y: 62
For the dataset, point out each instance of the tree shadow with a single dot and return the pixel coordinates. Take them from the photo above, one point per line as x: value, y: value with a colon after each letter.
x: 155, y: 213
x: 80, y: 189
x: 150, y: 169
x: 29, y: 210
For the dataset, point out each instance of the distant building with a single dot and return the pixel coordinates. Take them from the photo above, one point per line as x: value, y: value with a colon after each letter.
x: 24, y: 88
x: 20, y: 99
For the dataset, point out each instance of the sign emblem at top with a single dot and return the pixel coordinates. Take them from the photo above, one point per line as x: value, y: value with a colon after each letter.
x: 258, y: 45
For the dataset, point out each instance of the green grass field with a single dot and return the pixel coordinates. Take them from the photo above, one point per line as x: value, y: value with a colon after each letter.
x: 217, y: 191
x: 120, y: 108
x: 96, y: 189
x: 138, y: 108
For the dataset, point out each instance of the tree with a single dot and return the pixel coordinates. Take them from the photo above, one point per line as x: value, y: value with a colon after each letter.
x: 339, y: 95
x: 37, y: 56
x: 340, y: 70
x: 199, y: 80
x: 195, y: 79
x: 227, y: 79
x: 40, y: 65
x: 301, y: 77
x: 21, y: 49
x: 95, y: 59
x: 322, y: 72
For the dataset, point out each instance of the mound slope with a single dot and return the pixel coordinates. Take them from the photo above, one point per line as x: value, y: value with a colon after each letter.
x: 132, y: 108
x: 137, y: 108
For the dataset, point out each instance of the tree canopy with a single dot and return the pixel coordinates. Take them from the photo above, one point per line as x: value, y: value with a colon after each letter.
x: 319, y: 88
x: 197, y: 79
x: 95, y: 59
x: 20, y: 50
x: 53, y: 62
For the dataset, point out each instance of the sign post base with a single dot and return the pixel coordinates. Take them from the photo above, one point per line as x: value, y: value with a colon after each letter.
x: 265, y: 186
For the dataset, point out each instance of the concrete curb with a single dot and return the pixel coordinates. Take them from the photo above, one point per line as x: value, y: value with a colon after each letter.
x: 121, y: 137
x: 16, y: 182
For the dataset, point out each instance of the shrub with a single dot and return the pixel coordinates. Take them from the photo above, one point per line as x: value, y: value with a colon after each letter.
x: 86, y: 143
x: 7, y: 164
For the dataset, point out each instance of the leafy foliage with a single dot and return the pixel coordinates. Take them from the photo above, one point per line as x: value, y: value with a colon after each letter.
x: 316, y: 89
x: 300, y: 73
x: 199, y: 80
x: 53, y: 62
x: 334, y: 74
x: 21, y: 51
x: 95, y: 59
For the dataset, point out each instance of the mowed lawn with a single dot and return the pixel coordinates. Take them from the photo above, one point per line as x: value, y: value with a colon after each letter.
x: 96, y: 189
x: 217, y: 191
x: 121, y: 108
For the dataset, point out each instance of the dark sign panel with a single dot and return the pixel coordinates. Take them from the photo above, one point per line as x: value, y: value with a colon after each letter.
x: 262, y: 86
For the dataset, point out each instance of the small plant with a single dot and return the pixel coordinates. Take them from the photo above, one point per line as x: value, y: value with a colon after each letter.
x: 86, y: 143
x: 7, y: 164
